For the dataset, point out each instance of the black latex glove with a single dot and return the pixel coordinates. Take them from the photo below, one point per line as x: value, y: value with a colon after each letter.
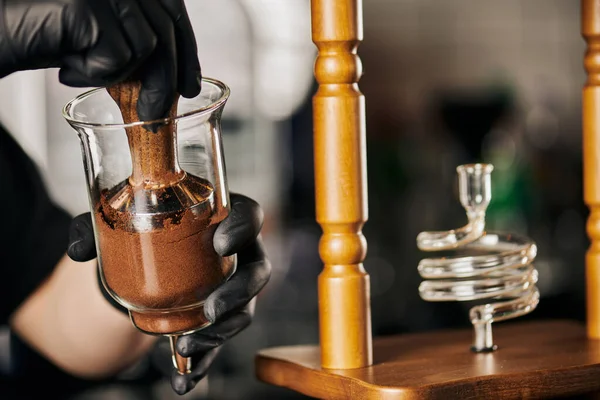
x: 231, y: 307
x: 97, y: 43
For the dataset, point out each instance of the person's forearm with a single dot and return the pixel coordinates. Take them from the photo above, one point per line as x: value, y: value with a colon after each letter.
x: 69, y: 321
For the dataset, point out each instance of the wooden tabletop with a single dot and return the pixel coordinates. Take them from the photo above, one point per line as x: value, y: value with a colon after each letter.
x: 534, y: 360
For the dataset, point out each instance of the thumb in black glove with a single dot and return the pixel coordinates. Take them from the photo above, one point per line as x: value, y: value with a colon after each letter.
x: 101, y: 42
x: 231, y: 307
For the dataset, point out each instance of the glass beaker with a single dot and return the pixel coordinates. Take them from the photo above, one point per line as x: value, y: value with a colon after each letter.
x: 157, y: 196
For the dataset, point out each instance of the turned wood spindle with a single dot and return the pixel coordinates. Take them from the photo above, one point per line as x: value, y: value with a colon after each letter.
x: 341, y: 185
x: 590, y: 27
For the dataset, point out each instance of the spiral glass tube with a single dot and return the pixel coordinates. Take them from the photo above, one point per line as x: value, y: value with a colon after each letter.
x: 498, y: 267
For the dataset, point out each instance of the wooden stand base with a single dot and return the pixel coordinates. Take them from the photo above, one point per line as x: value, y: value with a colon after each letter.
x: 534, y: 360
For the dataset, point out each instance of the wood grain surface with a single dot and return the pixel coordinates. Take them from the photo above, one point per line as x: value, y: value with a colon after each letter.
x: 535, y: 360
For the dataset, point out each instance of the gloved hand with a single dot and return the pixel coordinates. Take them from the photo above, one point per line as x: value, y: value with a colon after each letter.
x: 231, y: 307
x: 101, y: 42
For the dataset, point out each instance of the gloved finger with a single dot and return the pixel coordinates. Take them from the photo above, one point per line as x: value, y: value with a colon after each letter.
x: 82, y: 246
x: 73, y: 76
x: 241, y: 226
x: 182, y: 384
x: 108, y: 62
x: 138, y: 32
x: 215, y: 335
x: 159, y: 74
x: 37, y: 34
x: 188, y: 73
x: 91, y: 71
x: 252, y: 274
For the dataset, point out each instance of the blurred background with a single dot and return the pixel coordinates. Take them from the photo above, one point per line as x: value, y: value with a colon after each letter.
x: 445, y: 83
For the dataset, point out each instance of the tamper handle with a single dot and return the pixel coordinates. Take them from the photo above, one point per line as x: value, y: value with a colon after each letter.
x: 153, y: 147
x: 153, y: 158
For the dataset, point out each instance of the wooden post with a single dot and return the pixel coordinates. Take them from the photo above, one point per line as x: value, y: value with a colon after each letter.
x: 590, y: 27
x: 341, y: 185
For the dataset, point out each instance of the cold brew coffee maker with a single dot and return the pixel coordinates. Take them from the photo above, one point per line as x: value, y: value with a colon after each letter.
x: 157, y: 190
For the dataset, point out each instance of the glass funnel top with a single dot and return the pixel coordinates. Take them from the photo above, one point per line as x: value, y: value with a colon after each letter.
x: 96, y: 109
x: 157, y: 194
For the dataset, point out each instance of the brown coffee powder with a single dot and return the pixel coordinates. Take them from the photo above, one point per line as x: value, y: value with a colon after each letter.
x: 170, y: 268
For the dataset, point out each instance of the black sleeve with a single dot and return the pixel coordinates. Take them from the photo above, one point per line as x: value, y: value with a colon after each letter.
x: 33, y: 230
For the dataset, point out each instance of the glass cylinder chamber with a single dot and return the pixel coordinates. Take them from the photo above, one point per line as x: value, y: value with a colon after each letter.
x: 157, y: 192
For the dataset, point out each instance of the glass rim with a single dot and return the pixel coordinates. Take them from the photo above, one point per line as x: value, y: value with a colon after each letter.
x: 225, y: 92
x: 475, y: 168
